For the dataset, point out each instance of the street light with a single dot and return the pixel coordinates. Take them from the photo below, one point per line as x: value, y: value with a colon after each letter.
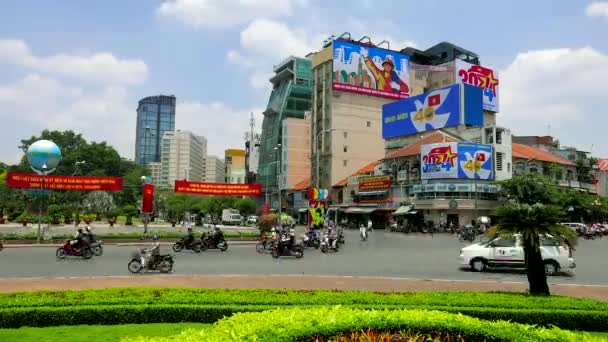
x: 316, y: 147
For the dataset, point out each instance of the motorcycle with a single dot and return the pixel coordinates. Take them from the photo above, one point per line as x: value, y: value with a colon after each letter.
x: 264, y: 247
x: 341, y: 239
x: 467, y: 235
x: 292, y: 250
x: 163, y: 263
x: 195, y: 246
x: 214, y: 241
x: 327, y: 245
x: 68, y: 250
x: 96, y: 245
x: 363, y: 233
x: 311, y: 239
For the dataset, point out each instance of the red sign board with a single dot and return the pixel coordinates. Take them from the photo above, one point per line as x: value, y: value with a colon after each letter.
x: 147, y: 203
x: 218, y: 189
x: 375, y: 183
x: 63, y: 183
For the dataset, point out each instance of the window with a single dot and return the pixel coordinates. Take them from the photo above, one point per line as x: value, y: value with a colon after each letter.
x: 345, y: 163
x: 369, y: 124
x: 498, y: 161
x: 345, y: 149
x: 504, y: 242
x: 533, y: 170
x: 345, y: 135
x: 508, y: 167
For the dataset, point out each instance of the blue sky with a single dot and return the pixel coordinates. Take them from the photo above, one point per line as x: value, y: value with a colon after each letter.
x: 83, y: 65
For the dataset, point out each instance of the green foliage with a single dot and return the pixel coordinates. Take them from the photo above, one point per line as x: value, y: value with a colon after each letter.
x: 129, y: 211
x: 266, y: 222
x: 24, y: 216
x: 246, y: 206
x: 530, y: 188
x: 209, y: 305
x: 300, y: 324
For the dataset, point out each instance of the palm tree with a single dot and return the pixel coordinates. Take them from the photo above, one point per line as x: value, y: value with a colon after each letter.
x: 532, y: 222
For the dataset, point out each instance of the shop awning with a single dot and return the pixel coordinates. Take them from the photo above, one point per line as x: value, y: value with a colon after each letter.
x: 403, y: 210
x: 360, y: 210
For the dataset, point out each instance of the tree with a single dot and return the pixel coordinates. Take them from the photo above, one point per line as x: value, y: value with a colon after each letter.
x: 584, y: 169
x: 530, y: 188
x: 129, y: 211
x: 246, y: 206
x: 100, y: 202
x: 532, y: 222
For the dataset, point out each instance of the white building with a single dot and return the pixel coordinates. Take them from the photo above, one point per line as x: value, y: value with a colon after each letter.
x: 183, y: 157
x: 214, y: 170
x: 155, y: 169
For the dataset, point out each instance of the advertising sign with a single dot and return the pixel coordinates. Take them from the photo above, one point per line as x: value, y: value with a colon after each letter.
x: 481, y: 77
x: 63, y: 183
x: 439, y: 161
x: 147, y: 203
x: 316, y: 212
x: 374, y: 183
x: 370, y: 71
x: 475, y: 161
x: 436, y: 109
x: 456, y: 160
x: 217, y: 189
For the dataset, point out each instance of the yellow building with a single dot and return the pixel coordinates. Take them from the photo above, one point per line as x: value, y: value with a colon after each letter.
x: 234, y: 159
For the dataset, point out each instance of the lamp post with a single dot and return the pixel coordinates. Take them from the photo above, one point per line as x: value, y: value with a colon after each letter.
x: 318, y: 152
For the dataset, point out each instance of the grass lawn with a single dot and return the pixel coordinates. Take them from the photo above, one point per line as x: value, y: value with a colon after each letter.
x: 94, y: 333
x: 599, y: 334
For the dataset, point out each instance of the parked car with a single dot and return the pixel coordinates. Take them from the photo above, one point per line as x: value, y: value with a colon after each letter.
x: 252, y: 219
x: 509, y: 253
x: 579, y: 228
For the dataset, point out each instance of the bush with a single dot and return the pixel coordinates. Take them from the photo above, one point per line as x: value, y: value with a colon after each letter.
x: 564, y: 312
x: 321, y: 323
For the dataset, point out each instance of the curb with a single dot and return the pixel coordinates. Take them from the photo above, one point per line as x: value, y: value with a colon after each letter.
x: 117, y: 244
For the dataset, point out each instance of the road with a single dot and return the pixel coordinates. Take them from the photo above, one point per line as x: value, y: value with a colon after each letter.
x: 385, y: 254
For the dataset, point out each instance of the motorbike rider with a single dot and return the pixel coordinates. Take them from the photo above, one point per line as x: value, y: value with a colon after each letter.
x: 79, y: 241
x: 332, y: 236
x: 362, y: 230
x: 189, y: 238
x: 285, y: 241
x: 369, y: 225
x: 149, y: 255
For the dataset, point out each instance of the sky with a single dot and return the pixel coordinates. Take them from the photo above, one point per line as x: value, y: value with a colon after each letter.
x: 83, y: 65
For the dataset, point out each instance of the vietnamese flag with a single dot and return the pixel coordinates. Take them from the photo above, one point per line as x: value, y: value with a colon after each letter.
x: 434, y: 100
x: 147, y: 203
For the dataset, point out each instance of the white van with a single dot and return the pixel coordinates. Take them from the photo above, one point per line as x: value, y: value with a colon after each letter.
x: 509, y: 253
x: 231, y: 217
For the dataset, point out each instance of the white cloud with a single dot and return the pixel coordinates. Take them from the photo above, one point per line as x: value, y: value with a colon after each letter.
x: 274, y: 39
x: 260, y: 81
x: 235, y: 57
x: 597, y: 9
x: 98, y: 68
x: 224, y: 127
x: 226, y: 13
x: 560, y: 87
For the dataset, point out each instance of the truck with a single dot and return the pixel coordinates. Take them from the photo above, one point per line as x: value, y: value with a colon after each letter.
x: 231, y: 217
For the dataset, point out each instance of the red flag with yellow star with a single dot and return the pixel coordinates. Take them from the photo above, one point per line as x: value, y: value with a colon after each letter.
x: 147, y: 203
x: 434, y: 100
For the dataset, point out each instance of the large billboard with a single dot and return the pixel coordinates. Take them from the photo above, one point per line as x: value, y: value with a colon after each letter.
x: 450, y: 106
x: 374, y: 183
x: 481, y: 77
x: 371, y: 71
x: 63, y: 183
x: 217, y: 189
x: 456, y: 160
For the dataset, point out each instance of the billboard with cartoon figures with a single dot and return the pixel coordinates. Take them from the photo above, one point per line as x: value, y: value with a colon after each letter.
x: 436, y: 109
x: 481, y: 77
x: 456, y: 160
x: 316, y: 212
x: 371, y: 71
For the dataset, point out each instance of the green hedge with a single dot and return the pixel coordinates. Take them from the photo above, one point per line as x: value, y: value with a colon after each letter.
x: 301, y: 324
x: 48, y: 308
x: 126, y: 236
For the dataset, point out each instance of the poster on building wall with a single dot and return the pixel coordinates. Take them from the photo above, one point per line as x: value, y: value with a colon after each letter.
x: 439, y: 160
x: 374, y: 183
x: 475, y: 161
x: 481, y: 77
x: 316, y: 212
x: 370, y: 71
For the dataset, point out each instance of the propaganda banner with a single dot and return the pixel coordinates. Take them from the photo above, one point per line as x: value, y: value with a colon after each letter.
x: 481, y: 77
x: 439, y: 160
x: 374, y: 183
x: 147, y: 203
x: 316, y: 212
x: 63, y: 183
x: 217, y: 189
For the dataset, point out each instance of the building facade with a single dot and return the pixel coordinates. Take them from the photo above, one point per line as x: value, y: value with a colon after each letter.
x: 234, y: 161
x: 155, y: 116
x: 290, y: 98
x: 295, y: 149
x: 215, y: 170
x: 183, y: 157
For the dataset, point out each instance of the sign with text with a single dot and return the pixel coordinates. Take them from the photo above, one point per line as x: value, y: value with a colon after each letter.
x: 456, y: 160
x: 217, y: 189
x: 481, y: 77
x: 374, y: 183
x: 63, y: 183
x: 370, y: 71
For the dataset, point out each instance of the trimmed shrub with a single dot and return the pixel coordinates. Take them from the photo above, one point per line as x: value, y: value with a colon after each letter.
x: 321, y: 323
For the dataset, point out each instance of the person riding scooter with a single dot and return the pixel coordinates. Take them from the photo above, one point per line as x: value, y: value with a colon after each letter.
x: 332, y: 236
x: 151, y: 254
x: 189, y: 238
x: 79, y: 241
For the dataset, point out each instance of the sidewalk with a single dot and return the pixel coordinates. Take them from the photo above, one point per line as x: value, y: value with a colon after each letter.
x: 384, y: 285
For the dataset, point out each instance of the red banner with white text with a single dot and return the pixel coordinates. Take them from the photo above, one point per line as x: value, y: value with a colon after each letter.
x: 63, y: 183
x: 217, y: 189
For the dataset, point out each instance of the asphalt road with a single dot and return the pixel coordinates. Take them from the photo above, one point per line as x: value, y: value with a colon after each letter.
x: 385, y: 254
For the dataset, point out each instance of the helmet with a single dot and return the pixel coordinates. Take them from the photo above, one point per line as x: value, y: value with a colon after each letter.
x: 80, y: 230
x: 155, y: 238
x: 87, y: 228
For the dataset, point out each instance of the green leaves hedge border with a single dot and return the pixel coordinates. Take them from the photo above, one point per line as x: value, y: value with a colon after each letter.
x: 135, y: 296
x: 301, y: 324
x: 210, y: 313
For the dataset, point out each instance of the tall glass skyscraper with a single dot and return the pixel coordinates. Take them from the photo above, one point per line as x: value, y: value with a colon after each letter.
x: 155, y: 115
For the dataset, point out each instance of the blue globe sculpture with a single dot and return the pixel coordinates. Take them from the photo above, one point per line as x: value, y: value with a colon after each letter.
x: 43, y: 155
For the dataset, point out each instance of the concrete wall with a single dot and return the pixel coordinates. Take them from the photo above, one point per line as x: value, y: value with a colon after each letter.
x: 296, y: 152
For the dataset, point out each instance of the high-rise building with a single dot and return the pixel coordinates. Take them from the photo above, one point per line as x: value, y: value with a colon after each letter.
x: 234, y: 161
x: 295, y: 161
x: 290, y: 98
x: 215, y: 171
x: 183, y: 157
x: 155, y: 115
x: 155, y: 169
